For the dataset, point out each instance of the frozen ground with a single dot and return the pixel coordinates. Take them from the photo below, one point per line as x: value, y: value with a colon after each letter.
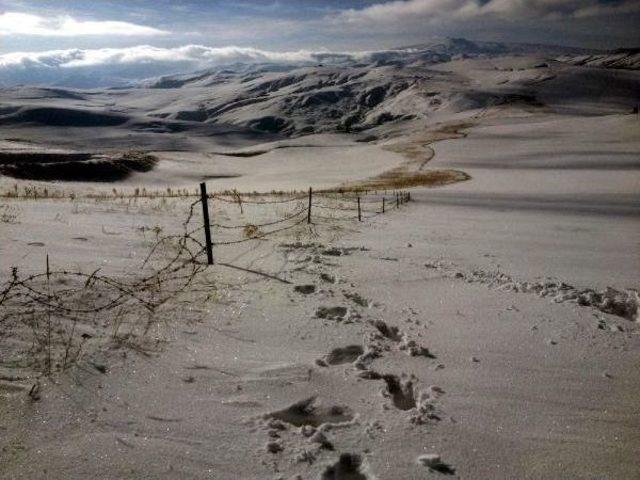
x: 561, y: 195
x: 513, y: 385
x: 463, y: 334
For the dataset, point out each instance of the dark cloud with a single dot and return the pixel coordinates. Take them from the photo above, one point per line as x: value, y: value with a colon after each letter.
x: 333, y: 24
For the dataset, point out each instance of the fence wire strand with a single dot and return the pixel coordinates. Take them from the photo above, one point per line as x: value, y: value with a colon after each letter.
x: 171, y: 266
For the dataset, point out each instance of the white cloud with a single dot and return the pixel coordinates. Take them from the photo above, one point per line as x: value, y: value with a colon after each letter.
x: 15, y: 23
x: 198, y: 55
x: 91, y: 68
x: 399, y: 10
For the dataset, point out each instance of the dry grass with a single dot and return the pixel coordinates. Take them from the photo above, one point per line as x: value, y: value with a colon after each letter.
x: 251, y: 231
x: 50, y: 320
x: 8, y: 214
x: 417, y: 150
x: 33, y: 191
x: 412, y: 173
x: 61, y: 317
x: 400, y: 178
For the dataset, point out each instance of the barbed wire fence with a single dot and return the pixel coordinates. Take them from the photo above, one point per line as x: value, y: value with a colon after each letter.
x: 345, y: 207
x: 63, y: 309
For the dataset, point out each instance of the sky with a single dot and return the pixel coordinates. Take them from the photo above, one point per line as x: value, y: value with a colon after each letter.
x: 312, y: 24
x: 75, y: 33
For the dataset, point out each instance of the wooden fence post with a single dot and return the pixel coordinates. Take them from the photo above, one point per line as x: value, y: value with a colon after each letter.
x: 205, y: 214
x: 382, y: 204
x: 397, y: 200
x: 309, y: 210
x: 359, y: 211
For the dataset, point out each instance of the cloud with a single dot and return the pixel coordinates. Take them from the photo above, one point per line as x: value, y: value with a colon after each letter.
x: 400, y: 12
x: 15, y: 23
x: 141, y: 54
x: 587, y: 23
x: 90, y: 68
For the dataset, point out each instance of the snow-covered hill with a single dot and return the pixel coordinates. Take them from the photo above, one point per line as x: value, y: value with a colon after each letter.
x: 120, y: 67
x: 627, y: 58
x: 379, y: 94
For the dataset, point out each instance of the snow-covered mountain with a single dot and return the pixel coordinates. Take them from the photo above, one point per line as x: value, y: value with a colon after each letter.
x: 380, y: 94
x: 118, y: 67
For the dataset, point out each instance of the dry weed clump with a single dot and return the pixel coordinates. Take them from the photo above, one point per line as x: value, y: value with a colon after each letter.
x: 33, y: 191
x: 413, y: 172
x: 402, y: 178
x: 251, y: 231
x: 9, y: 214
x: 50, y: 320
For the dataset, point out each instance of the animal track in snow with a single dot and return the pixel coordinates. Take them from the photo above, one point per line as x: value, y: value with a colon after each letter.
x: 339, y: 356
x: 329, y: 278
x: 387, y: 331
x: 332, y: 313
x: 404, y: 396
x: 625, y: 304
x: 348, y: 467
x: 433, y: 462
x: 357, y: 299
x: 413, y: 349
x: 406, y: 344
x: 401, y: 392
x: 305, y: 289
x: 305, y: 412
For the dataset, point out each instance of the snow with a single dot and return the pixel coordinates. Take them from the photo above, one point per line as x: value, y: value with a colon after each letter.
x: 485, y: 329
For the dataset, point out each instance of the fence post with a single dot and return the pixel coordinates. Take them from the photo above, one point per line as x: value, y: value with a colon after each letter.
x: 359, y: 211
x: 409, y: 196
x: 382, y: 204
x: 309, y: 210
x: 397, y: 200
x: 205, y: 214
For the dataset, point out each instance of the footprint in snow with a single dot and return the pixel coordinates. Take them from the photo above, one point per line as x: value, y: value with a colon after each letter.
x: 306, y: 412
x: 305, y: 289
x: 348, y: 467
x: 332, y: 313
x: 339, y: 356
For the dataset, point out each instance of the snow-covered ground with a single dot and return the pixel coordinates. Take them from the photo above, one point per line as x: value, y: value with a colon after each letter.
x: 486, y: 329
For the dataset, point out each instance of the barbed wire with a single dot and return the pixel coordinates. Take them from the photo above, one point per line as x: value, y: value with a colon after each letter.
x: 327, y: 207
x: 171, y: 266
x: 267, y: 224
x: 251, y: 229
x: 239, y: 198
x: 260, y: 235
